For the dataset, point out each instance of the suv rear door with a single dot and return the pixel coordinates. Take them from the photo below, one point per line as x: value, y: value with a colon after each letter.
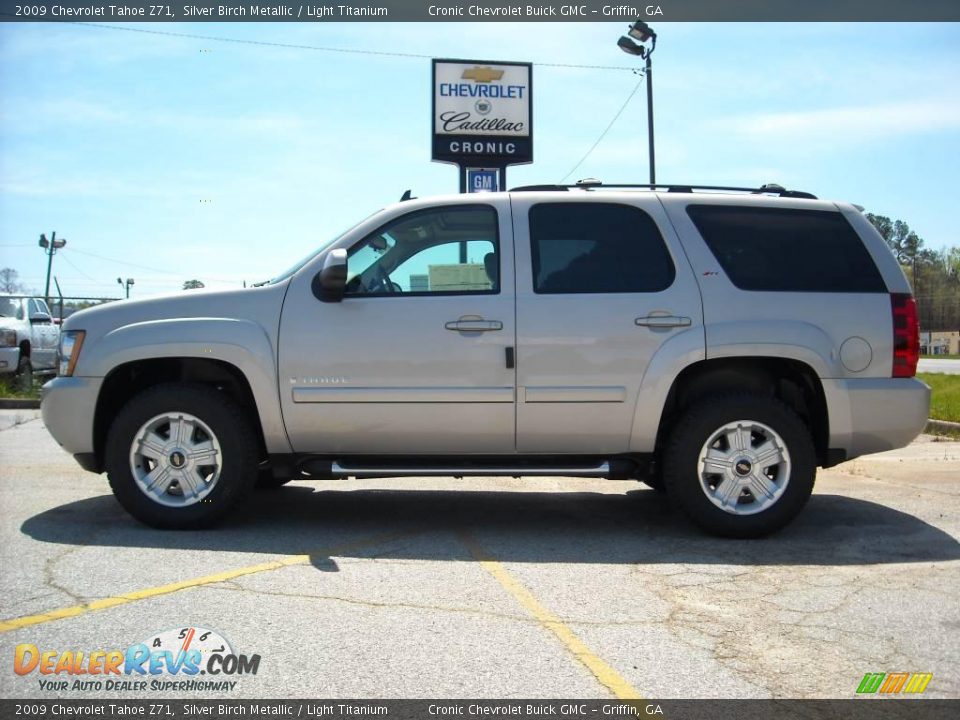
x: 602, y: 286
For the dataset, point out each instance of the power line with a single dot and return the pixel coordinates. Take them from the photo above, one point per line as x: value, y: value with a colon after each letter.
x: 167, y: 273
x: 93, y: 280
x: 123, y: 262
x: 320, y: 48
x: 606, y: 130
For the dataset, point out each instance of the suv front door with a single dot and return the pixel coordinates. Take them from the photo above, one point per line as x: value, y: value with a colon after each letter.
x: 413, y: 359
x: 603, y: 286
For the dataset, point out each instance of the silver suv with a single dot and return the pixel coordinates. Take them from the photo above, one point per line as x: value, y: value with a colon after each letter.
x: 717, y: 345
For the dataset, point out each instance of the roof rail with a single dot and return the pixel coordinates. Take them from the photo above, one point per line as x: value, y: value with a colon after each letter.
x: 534, y: 188
x: 768, y: 189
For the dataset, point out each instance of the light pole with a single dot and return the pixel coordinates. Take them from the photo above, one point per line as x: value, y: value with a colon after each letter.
x: 126, y: 285
x: 643, y: 32
x: 50, y: 247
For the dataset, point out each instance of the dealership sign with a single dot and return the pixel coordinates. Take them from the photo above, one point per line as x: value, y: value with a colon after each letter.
x: 482, y: 112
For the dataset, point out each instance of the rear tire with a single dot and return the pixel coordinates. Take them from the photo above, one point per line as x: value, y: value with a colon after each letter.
x: 180, y: 455
x: 740, y: 465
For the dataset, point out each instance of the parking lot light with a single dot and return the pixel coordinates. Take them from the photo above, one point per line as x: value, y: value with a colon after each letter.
x: 644, y: 33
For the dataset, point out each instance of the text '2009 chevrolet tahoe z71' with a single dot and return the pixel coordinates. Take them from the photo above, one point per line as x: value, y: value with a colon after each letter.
x: 717, y: 345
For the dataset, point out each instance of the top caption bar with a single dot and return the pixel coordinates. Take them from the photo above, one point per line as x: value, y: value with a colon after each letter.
x: 484, y: 11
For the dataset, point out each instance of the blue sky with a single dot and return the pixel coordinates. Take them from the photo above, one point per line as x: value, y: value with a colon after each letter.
x: 114, y: 138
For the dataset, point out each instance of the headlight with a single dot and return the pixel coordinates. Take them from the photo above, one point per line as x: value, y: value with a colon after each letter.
x: 8, y: 338
x: 70, y: 343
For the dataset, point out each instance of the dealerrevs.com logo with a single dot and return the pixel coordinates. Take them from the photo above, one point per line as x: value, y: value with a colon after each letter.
x: 185, y: 659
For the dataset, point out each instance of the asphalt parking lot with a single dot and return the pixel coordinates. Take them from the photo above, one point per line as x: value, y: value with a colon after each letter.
x: 495, y: 588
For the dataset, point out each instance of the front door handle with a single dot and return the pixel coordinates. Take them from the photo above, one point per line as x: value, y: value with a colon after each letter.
x: 664, y: 321
x: 474, y: 325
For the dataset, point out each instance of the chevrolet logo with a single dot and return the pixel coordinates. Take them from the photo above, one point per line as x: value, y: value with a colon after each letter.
x: 482, y: 74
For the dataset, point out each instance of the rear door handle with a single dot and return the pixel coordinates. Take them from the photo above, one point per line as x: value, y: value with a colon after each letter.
x: 474, y: 325
x: 664, y: 321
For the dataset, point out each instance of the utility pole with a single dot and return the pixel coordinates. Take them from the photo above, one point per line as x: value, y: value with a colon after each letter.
x: 643, y: 32
x: 50, y: 247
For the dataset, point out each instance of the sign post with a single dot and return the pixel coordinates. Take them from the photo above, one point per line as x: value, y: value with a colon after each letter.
x: 482, y: 119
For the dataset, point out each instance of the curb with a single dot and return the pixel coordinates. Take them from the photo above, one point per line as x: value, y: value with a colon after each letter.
x: 19, y: 404
x: 942, y: 427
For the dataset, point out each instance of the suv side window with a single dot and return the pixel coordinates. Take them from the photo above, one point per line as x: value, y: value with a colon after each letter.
x: 444, y: 250
x: 790, y: 250
x: 597, y: 248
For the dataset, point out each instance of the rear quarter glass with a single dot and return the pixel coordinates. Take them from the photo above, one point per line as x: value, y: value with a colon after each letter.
x: 787, y: 249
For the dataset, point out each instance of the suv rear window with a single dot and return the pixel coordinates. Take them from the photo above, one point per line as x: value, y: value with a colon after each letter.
x: 597, y: 248
x: 788, y: 250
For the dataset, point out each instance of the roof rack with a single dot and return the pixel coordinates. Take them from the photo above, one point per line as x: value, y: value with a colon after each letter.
x: 768, y: 189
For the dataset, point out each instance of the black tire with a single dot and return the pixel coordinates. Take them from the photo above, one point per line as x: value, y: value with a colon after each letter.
x: 24, y: 375
x: 231, y: 428
x: 698, y: 424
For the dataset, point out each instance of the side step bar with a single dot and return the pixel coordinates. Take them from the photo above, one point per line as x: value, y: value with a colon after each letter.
x: 341, y: 470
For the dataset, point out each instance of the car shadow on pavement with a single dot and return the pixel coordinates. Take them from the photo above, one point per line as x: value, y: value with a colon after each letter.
x: 516, y: 526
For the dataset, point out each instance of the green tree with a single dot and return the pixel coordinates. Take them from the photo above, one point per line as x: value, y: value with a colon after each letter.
x: 193, y: 285
x: 903, y: 241
x: 951, y: 261
x: 934, y: 275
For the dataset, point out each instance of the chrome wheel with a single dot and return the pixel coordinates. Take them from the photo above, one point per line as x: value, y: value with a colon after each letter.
x: 744, y: 467
x: 176, y: 459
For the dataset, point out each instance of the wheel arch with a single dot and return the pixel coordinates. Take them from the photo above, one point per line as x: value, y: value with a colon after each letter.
x: 791, y: 381
x: 128, y: 379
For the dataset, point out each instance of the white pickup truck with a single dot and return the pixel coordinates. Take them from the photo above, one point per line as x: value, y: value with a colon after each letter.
x: 28, y: 339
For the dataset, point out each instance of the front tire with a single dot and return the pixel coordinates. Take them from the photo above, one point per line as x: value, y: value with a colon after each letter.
x: 740, y: 465
x: 180, y: 455
x: 24, y: 376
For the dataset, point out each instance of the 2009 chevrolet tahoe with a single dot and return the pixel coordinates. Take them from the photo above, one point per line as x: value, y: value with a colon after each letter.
x: 719, y: 346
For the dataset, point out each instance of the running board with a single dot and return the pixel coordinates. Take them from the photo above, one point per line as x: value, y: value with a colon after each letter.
x: 337, y: 469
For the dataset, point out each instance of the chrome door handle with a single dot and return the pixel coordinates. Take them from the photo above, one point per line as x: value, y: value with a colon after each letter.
x: 664, y: 321
x: 474, y: 325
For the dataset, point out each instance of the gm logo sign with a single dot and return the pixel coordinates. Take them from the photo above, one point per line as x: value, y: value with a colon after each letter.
x: 483, y: 180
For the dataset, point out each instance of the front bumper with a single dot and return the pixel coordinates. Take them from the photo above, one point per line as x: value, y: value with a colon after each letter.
x: 68, y: 405
x: 872, y: 415
x: 9, y: 360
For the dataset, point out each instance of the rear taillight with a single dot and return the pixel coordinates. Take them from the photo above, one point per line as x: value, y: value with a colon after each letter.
x: 906, y: 335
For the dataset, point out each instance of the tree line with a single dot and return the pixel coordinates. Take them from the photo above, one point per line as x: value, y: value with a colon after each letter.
x: 934, y: 275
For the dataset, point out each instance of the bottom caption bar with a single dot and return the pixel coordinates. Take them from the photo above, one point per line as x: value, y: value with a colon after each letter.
x: 855, y: 709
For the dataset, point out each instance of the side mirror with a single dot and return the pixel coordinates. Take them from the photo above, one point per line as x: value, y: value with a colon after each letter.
x: 41, y: 318
x: 330, y: 283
